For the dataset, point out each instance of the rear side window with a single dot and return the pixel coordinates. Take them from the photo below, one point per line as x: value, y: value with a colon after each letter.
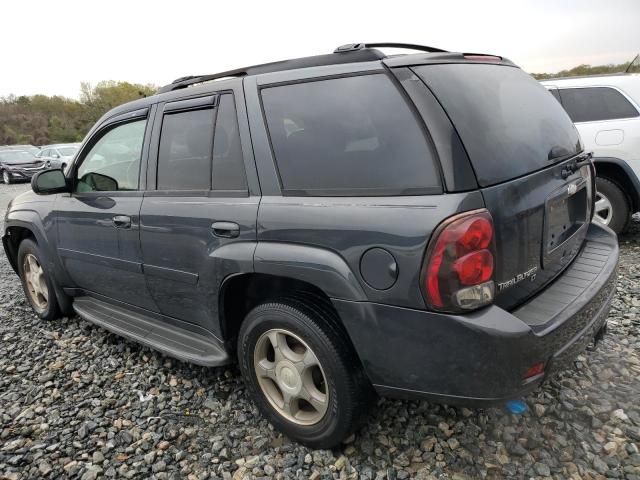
x: 184, y: 155
x: 228, y: 167
x: 348, y: 136
x: 595, y: 104
x: 508, y: 122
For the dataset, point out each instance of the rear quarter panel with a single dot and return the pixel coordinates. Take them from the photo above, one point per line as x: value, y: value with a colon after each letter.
x: 350, y: 227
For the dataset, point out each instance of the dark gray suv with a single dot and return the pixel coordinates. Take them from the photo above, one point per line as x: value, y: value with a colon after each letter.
x: 415, y: 225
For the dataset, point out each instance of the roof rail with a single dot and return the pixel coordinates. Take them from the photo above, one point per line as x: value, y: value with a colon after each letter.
x: 360, y: 55
x: 352, y: 52
x: 184, y: 82
x: 354, y: 47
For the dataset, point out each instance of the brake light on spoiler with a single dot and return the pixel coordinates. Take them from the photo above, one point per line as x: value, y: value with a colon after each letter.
x: 459, y: 265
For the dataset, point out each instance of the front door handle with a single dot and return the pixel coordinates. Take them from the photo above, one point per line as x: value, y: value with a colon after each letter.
x: 122, y: 221
x: 225, y: 229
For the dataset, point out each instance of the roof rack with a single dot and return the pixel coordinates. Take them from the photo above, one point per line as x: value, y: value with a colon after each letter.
x: 184, y: 82
x: 362, y: 55
x: 354, y: 47
x: 350, y: 53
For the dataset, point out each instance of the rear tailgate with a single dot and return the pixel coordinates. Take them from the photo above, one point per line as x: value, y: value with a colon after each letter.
x: 540, y: 223
x: 527, y: 158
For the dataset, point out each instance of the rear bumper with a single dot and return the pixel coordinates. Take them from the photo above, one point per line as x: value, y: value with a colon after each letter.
x: 481, y: 358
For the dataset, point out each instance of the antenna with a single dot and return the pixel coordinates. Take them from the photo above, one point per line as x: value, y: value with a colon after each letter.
x: 635, y: 59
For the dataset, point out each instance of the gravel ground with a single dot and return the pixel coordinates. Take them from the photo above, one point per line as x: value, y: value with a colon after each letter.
x: 78, y: 402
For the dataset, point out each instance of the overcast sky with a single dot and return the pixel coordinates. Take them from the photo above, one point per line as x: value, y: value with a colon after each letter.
x: 50, y: 47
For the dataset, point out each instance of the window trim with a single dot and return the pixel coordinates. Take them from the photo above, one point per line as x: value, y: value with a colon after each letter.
x: 187, y: 104
x: 582, y: 87
x: 101, y: 131
x: 353, y: 192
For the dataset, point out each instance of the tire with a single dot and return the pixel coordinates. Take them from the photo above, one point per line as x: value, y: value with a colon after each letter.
x: 312, y: 326
x: 44, y: 304
x: 6, y: 178
x: 612, y: 205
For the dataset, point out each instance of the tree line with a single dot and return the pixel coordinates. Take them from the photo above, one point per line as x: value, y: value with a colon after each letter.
x: 582, y: 70
x: 42, y: 120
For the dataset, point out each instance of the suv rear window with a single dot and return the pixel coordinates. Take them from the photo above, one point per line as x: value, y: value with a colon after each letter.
x: 508, y: 122
x: 595, y: 104
x: 348, y: 136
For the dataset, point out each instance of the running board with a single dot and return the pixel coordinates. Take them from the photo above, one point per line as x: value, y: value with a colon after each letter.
x: 171, y: 340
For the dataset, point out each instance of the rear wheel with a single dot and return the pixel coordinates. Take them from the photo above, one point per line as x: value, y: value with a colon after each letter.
x: 612, y: 207
x: 301, y: 372
x: 6, y: 178
x: 36, y: 282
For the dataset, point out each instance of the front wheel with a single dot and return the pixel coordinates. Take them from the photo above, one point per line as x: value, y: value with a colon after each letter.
x: 301, y: 372
x: 6, y: 178
x: 612, y: 207
x: 36, y: 282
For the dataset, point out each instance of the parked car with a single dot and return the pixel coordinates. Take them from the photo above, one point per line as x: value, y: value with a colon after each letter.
x: 606, y: 112
x: 29, y: 148
x: 16, y: 165
x: 417, y: 226
x: 58, y: 156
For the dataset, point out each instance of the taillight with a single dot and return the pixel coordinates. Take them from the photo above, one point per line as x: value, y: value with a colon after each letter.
x: 459, y: 266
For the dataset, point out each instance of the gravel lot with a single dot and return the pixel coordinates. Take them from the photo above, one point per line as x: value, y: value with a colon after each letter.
x: 78, y: 402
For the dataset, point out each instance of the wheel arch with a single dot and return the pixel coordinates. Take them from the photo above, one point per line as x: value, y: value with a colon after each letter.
x: 20, y: 226
x: 15, y: 233
x: 620, y: 172
x: 240, y: 293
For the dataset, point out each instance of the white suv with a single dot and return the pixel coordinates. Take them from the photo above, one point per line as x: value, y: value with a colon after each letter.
x: 606, y: 112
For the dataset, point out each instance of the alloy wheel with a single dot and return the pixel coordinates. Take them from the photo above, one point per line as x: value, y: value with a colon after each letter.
x: 5, y: 177
x: 603, y: 211
x: 34, y: 277
x: 291, y: 377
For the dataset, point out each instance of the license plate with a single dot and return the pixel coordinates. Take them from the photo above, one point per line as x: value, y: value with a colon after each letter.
x: 565, y: 215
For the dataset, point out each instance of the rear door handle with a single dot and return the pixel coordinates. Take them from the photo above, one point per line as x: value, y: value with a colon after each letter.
x: 225, y: 229
x: 122, y: 221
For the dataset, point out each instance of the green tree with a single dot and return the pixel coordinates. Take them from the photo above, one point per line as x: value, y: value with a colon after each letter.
x: 583, y: 70
x: 40, y: 119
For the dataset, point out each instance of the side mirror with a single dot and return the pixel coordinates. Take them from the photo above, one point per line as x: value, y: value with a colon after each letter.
x: 49, y: 182
x: 55, y: 155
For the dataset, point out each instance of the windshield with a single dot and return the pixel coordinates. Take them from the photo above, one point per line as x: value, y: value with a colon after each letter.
x: 16, y: 157
x: 68, y: 151
x: 509, y: 123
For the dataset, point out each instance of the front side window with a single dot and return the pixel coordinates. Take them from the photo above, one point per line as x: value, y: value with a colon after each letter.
x: 184, y: 156
x: 113, y: 163
x: 348, y: 136
x: 596, y: 104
